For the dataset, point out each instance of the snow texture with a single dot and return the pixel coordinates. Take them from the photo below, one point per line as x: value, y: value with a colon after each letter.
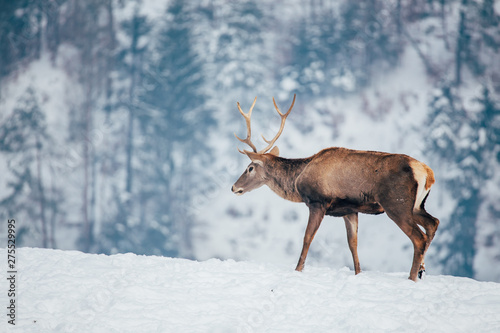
x: 70, y: 291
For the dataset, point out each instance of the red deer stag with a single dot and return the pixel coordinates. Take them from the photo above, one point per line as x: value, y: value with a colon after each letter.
x: 345, y: 182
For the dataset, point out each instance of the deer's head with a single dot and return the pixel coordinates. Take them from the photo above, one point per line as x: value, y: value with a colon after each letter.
x: 255, y: 174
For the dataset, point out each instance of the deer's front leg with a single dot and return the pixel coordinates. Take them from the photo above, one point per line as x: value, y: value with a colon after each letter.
x: 316, y: 214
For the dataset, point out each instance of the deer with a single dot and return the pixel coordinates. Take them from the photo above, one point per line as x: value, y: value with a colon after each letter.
x: 343, y: 182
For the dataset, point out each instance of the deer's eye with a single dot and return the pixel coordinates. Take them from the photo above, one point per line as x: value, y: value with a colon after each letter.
x: 250, y: 169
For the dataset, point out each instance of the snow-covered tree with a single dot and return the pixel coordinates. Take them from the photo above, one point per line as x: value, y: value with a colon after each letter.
x: 465, y: 139
x: 27, y: 144
x: 172, y: 125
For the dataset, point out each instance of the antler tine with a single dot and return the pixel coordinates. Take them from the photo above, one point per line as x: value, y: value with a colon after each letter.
x: 282, y: 126
x: 247, y: 117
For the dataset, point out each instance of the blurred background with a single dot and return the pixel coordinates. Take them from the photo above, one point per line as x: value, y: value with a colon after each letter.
x: 117, y: 121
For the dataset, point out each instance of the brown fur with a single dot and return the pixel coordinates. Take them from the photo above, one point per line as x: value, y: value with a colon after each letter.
x: 345, y: 182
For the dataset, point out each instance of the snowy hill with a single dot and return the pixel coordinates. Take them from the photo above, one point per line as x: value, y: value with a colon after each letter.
x: 69, y: 291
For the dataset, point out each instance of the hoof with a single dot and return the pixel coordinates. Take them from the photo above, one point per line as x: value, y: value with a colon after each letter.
x: 421, y: 271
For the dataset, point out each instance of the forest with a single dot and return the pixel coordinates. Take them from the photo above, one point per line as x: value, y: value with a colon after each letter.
x: 117, y: 122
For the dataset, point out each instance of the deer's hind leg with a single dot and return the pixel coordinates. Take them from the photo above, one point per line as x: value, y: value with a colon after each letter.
x: 401, y: 212
x: 430, y: 225
x: 351, y: 226
x: 419, y: 240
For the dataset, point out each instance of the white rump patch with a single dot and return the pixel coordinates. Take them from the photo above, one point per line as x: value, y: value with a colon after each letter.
x: 420, y: 174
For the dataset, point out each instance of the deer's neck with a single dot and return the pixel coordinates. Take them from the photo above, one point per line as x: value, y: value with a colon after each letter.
x: 282, y: 174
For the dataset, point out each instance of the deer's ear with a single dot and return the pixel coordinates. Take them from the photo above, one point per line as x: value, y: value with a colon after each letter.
x: 275, y: 151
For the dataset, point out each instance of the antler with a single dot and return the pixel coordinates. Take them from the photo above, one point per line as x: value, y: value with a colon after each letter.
x: 249, y: 130
x: 283, y: 119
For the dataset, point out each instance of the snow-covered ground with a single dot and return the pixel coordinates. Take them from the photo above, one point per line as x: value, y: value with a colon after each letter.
x: 70, y: 291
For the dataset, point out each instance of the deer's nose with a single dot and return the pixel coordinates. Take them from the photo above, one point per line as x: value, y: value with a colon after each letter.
x: 236, y: 190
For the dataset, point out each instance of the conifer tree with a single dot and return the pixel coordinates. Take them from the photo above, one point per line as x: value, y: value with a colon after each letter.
x: 26, y: 143
x: 173, y: 125
x: 467, y: 140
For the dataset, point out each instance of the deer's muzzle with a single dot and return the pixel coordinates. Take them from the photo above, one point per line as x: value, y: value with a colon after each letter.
x: 237, y: 190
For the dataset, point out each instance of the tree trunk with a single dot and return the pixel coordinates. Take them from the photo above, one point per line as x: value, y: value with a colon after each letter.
x: 86, y: 160
x: 131, y: 96
x: 443, y: 24
x: 54, y: 210
x: 41, y: 193
x: 461, y: 40
x: 130, y: 147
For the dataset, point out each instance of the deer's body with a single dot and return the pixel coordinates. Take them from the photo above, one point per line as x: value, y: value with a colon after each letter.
x: 345, y: 179
x: 345, y: 182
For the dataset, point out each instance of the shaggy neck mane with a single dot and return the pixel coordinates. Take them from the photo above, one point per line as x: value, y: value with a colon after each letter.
x: 282, y: 173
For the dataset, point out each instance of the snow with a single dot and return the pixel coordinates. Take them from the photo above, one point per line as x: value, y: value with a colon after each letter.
x: 70, y: 291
